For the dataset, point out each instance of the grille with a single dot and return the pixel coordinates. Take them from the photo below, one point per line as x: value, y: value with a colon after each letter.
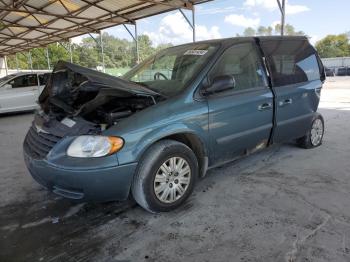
x: 38, y: 144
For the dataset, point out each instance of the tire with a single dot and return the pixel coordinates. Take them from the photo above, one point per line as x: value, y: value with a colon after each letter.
x: 314, y: 136
x: 155, y: 180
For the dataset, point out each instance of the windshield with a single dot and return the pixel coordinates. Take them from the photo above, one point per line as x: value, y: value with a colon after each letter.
x: 169, y: 71
x: 4, y: 79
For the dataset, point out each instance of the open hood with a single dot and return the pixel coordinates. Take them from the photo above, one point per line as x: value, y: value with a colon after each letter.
x: 92, y: 78
x: 74, y: 90
x: 77, y: 90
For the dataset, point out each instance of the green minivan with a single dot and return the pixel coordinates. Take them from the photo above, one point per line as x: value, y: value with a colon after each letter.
x: 153, y: 132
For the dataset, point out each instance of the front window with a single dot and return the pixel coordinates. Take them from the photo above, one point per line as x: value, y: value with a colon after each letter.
x: 24, y: 81
x: 170, y: 71
x: 243, y: 63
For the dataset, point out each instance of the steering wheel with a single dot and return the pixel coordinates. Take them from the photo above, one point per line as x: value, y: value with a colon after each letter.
x: 158, y: 75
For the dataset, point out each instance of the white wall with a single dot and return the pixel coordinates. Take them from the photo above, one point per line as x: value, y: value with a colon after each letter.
x: 335, y: 62
x: 2, y: 67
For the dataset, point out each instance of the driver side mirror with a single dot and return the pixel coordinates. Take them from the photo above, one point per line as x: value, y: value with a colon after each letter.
x: 220, y: 84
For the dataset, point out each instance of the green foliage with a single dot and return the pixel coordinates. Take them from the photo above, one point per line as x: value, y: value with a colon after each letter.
x: 334, y: 46
x: 145, y: 47
x: 289, y: 30
x: 262, y: 30
x: 249, y: 31
x: 118, y: 53
x: 267, y: 31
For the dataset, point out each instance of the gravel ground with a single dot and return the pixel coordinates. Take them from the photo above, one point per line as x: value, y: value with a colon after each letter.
x: 282, y: 204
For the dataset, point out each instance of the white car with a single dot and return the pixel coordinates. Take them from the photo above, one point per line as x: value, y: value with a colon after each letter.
x: 20, y: 91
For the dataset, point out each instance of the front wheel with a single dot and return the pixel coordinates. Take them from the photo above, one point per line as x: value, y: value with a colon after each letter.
x: 165, y: 176
x: 314, y: 136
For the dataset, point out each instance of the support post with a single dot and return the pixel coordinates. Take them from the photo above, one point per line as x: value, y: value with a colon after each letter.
x: 137, y: 45
x: 6, y: 68
x: 30, y: 61
x: 48, y: 58
x: 191, y: 24
x: 99, y: 44
x: 135, y: 37
x: 194, y: 24
x: 69, y: 49
x: 102, y: 53
x: 283, y: 16
x: 282, y: 7
x: 17, y: 66
x: 70, y: 52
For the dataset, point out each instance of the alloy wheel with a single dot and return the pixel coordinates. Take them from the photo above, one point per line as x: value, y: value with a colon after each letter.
x: 316, y: 132
x: 172, y: 180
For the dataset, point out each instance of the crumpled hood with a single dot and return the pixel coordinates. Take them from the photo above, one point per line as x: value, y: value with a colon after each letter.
x: 91, y: 79
x: 76, y: 89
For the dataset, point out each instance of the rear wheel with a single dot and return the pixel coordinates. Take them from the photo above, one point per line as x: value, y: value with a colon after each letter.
x: 165, y: 176
x: 315, y: 135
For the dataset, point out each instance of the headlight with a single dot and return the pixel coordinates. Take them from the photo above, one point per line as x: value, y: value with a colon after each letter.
x: 94, y: 146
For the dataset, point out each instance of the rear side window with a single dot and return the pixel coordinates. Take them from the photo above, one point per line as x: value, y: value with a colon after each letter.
x: 291, y: 61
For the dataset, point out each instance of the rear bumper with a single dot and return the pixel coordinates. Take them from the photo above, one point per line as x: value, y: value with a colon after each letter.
x: 100, y: 184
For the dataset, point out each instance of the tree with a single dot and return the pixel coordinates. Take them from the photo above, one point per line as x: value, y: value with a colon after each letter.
x: 118, y: 53
x: 249, y: 31
x: 278, y: 29
x: 145, y: 47
x: 39, y: 59
x: 262, y: 30
x: 268, y: 30
x: 288, y: 30
x: 163, y: 46
x: 334, y: 46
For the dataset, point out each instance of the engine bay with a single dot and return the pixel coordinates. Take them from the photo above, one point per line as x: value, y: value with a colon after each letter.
x: 76, y: 92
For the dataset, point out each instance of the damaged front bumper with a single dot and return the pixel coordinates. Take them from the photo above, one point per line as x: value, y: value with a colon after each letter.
x: 87, y: 184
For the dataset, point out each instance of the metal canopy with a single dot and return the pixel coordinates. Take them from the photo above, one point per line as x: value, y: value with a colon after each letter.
x: 26, y: 24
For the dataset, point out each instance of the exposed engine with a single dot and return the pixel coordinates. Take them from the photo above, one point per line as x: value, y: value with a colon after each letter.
x: 78, y: 92
x: 116, y: 109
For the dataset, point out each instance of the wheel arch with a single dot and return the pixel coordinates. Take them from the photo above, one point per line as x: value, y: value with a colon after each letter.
x: 193, y: 141
x: 196, y: 145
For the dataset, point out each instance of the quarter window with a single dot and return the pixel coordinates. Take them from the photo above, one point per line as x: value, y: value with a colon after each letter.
x: 243, y: 63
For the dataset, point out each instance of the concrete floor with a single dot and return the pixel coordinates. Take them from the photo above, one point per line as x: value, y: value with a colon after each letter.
x: 282, y: 204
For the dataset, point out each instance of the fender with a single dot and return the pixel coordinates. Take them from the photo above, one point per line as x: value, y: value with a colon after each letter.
x: 133, y: 153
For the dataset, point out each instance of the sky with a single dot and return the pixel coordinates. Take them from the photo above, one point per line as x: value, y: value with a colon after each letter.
x: 226, y: 18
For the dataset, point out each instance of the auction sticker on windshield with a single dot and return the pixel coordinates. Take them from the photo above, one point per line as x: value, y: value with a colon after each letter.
x: 196, y: 52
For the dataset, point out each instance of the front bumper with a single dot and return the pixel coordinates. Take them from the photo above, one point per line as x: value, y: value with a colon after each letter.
x: 94, y: 184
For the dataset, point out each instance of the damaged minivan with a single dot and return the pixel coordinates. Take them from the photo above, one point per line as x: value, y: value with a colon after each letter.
x: 153, y: 132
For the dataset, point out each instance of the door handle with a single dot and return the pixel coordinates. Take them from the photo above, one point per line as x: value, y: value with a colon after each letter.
x: 265, y: 106
x: 285, y: 102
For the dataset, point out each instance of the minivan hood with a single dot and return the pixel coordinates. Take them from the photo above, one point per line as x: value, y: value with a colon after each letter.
x: 95, y: 78
x: 74, y: 90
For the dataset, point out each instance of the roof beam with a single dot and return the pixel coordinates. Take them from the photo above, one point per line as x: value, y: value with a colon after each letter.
x: 166, y: 3
x: 109, y: 11
x: 29, y: 13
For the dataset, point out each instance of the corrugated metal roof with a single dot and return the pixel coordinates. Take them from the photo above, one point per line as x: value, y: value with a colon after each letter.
x: 26, y: 24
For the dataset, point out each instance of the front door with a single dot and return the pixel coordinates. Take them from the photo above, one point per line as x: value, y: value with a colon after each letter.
x: 240, y: 119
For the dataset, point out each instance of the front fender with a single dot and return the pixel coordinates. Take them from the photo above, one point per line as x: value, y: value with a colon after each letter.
x: 132, y: 153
